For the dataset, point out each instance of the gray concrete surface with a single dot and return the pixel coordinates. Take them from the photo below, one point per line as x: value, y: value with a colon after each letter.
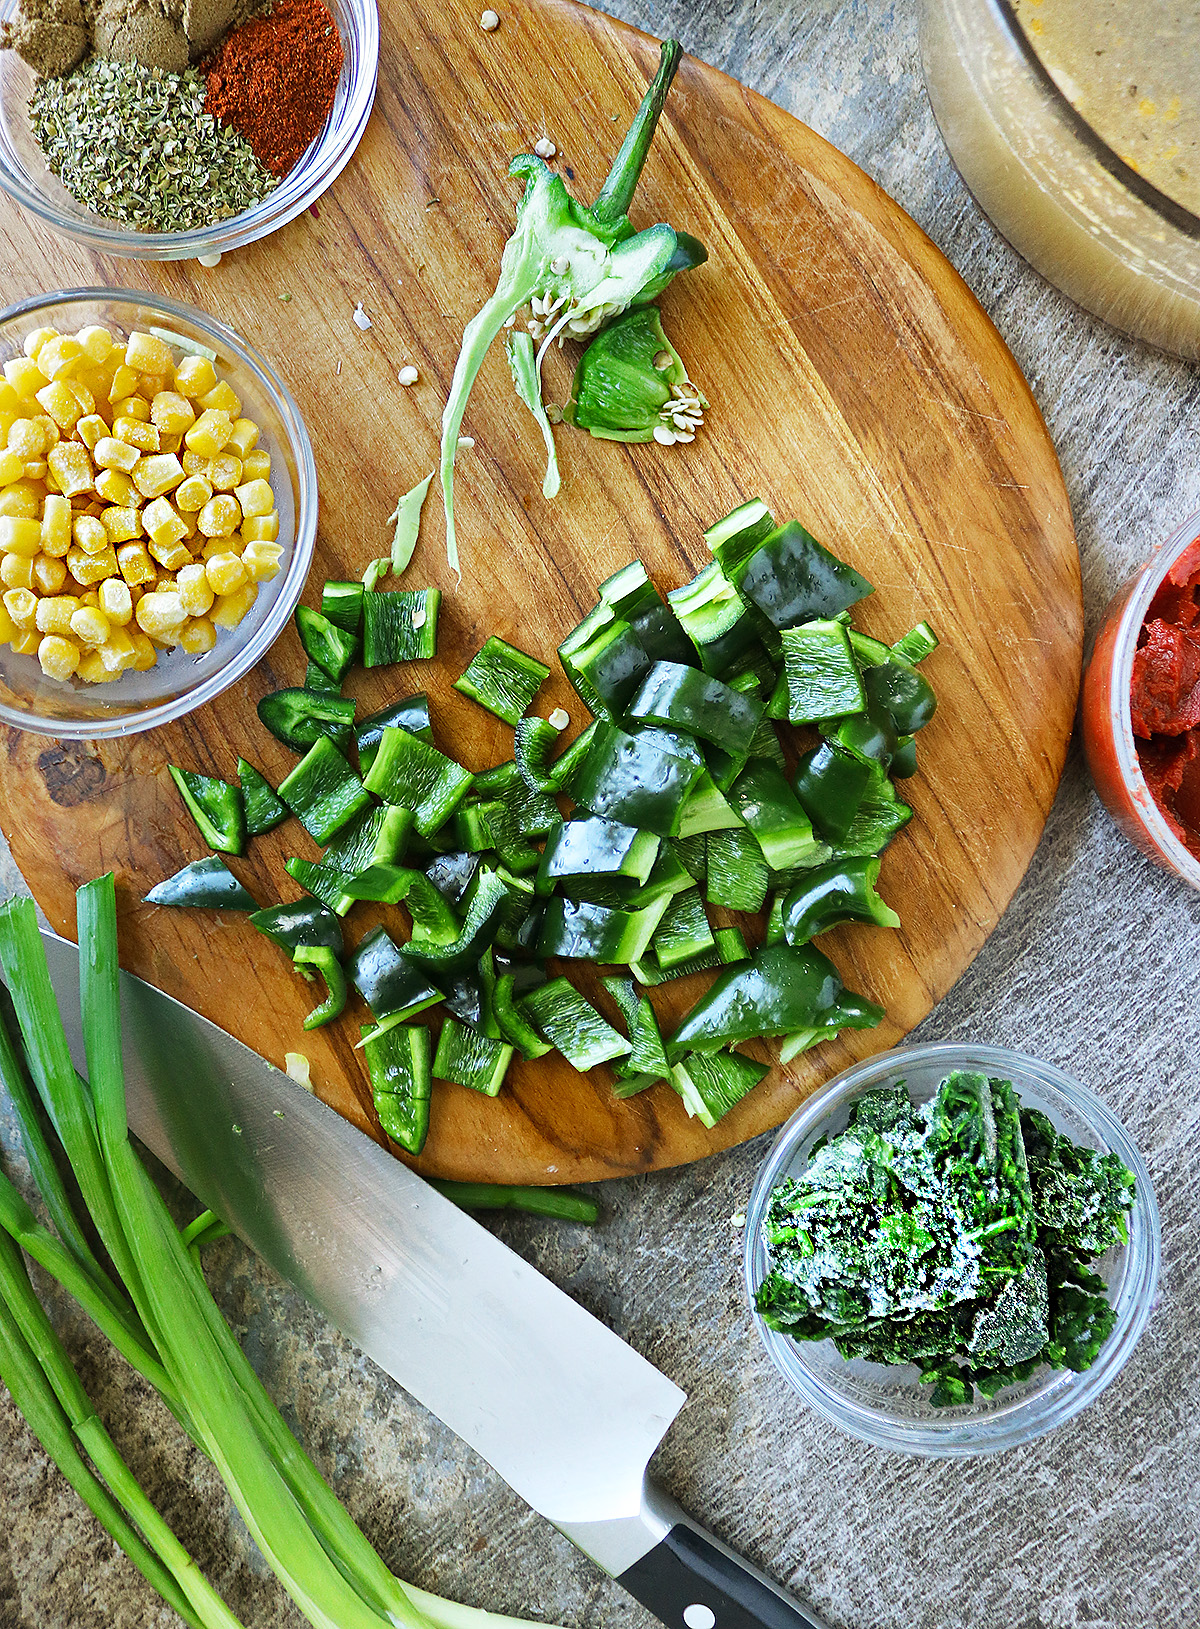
x: 1092, y: 967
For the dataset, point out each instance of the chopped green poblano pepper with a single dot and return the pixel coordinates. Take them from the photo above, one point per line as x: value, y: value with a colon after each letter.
x: 302, y: 922
x: 729, y: 948
x: 839, y: 891
x: 733, y: 540
x: 683, y: 698
x: 631, y: 385
x: 299, y: 717
x: 595, y: 848
x: 578, y: 929
x: 216, y: 807
x: 316, y: 678
x: 917, y: 644
x: 648, y: 1057
x: 206, y: 884
x: 407, y: 771
x: 632, y: 597
x: 378, y: 837
x: 514, y: 1024
x: 782, y: 989
x: 503, y: 679
x: 822, y: 675
x: 477, y: 931
x: 391, y: 984
x: 737, y: 875
x: 791, y: 579
x: 711, y: 1084
x: 715, y: 618
x: 325, y: 643
x: 471, y: 1059
x: 398, y: 1063
x: 583, y: 265
x: 684, y: 931
x: 605, y: 661
x: 535, y: 742
x: 639, y: 780
x: 522, y: 364
x: 264, y: 810
x: 400, y: 626
x: 326, y: 963
x: 323, y: 791
x: 707, y: 810
x: 411, y: 714
x: 320, y: 880
x: 830, y: 785
x: 342, y: 603
x: 573, y: 1025
x: 768, y: 806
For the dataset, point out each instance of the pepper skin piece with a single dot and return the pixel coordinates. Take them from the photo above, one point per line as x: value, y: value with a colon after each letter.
x: 791, y: 579
x: 216, y: 807
x: 679, y: 697
x: 302, y: 922
x: 842, y: 891
x: 782, y: 989
x: 638, y: 780
x: 830, y: 785
x: 206, y: 884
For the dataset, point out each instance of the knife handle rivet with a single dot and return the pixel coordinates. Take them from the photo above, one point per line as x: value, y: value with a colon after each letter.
x: 699, y: 1616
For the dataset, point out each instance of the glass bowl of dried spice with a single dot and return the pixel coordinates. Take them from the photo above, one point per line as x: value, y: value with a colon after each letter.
x: 159, y: 534
x: 158, y: 160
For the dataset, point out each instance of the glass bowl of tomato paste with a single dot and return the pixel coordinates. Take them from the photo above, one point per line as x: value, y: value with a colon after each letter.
x: 1140, y: 709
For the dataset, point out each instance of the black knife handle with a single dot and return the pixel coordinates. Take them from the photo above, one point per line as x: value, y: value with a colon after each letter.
x: 690, y: 1580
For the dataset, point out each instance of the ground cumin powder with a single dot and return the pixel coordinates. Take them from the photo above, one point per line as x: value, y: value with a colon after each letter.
x: 273, y: 80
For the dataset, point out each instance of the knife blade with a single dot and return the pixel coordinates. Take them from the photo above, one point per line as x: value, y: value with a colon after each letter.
x: 566, y: 1411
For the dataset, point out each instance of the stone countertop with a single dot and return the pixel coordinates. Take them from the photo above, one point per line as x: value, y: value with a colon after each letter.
x: 1091, y: 968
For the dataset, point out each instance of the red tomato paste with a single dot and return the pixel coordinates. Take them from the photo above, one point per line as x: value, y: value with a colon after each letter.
x: 1164, y: 698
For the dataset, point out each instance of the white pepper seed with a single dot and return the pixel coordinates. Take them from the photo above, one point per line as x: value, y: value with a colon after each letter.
x: 560, y: 718
x: 489, y: 22
x: 545, y: 148
x: 361, y: 320
x: 408, y: 375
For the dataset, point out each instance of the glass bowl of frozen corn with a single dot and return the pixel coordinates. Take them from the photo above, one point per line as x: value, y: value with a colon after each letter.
x: 158, y: 511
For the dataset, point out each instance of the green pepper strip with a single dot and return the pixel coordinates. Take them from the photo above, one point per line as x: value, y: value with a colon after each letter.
x: 682, y: 698
x: 216, y: 807
x: 330, y: 969
x: 205, y: 884
x: 302, y: 922
x: 842, y: 891
x: 563, y: 1204
x: 831, y: 785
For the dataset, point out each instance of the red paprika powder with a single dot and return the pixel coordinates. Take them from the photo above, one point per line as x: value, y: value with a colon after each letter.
x: 274, y: 79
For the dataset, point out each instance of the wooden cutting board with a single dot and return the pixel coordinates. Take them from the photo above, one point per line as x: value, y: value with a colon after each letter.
x: 854, y: 382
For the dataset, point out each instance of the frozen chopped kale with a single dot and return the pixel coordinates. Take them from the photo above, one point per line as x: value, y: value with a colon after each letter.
x: 954, y: 1235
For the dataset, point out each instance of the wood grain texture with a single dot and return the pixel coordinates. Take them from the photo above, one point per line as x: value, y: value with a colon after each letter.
x: 853, y: 381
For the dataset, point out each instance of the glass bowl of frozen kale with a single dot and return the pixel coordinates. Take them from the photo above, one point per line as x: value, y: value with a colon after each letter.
x: 951, y: 1249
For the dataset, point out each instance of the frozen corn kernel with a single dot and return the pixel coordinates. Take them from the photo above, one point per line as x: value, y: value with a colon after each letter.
x: 256, y: 465
x: 226, y: 573
x: 256, y: 498
x: 8, y: 628
x: 49, y: 574
x: 195, y: 376
x: 116, y: 487
x: 170, y: 443
x: 55, y: 612
x: 16, y: 571
x: 209, y: 434
x: 91, y: 429
x: 61, y: 404
x: 171, y: 553
x: 261, y: 560
x: 188, y: 522
x: 213, y: 546
x: 121, y: 523
x: 116, y: 601
x: 21, y: 606
x: 95, y: 342
x: 132, y: 407
x: 88, y: 596
x: 20, y: 534
x: 261, y: 528
x: 192, y: 493
x: 12, y: 467
x: 27, y: 439
x: 55, y: 525
x: 59, y: 356
x: 118, y: 651
x: 37, y: 469
x: 124, y: 384
x: 9, y: 399
x: 35, y: 339
x: 194, y: 463
x: 142, y: 436
x: 72, y: 466
x: 151, y: 385
x: 59, y: 657
x: 23, y: 499
x: 90, y: 625
x: 51, y: 433
x: 171, y: 412
x: 145, y: 655
x: 81, y: 393
x: 224, y: 472
x: 220, y: 516
x: 198, y: 636
x: 154, y: 476
x: 26, y: 644
x: 229, y: 609
x: 195, y: 592
x: 244, y: 437
x: 162, y: 523
x: 90, y: 569
x: 161, y: 615
x: 221, y: 399
x: 113, y: 453
x: 135, y: 564
x: 91, y: 669
x: 148, y: 354
x: 24, y: 375
x: 90, y: 533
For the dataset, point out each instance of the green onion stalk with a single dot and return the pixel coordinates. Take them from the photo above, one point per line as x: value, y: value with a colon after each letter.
x: 155, y: 1307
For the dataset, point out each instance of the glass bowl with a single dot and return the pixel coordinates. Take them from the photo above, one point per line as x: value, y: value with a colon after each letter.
x: 886, y: 1405
x: 1080, y: 174
x: 24, y: 175
x: 177, y: 683
x: 1107, y: 727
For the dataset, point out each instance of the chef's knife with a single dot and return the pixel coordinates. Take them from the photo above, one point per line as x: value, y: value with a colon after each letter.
x: 566, y: 1412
